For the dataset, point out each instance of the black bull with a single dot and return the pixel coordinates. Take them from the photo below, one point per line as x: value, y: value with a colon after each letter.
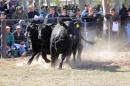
x: 64, y: 40
x: 38, y: 45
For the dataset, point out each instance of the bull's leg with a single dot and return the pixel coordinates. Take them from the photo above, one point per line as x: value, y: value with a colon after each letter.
x: 80, y: 49
x: 74, y: 54
x: 37, y: 57
x: 44, y: 56
x: 31, y: 59
x: 62, y: 60
x: 54, y: 58
x: 67, y: 59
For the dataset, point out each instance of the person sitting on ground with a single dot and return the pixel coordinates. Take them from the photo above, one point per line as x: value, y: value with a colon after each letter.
x: 9, y: 41
x: 19, y: 40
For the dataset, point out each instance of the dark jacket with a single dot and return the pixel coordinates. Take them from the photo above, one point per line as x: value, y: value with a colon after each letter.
x: 32, y: 14
x: 18, y: 39
x: 123, y: 13
x: 50, y: 19
x: 64, y: 18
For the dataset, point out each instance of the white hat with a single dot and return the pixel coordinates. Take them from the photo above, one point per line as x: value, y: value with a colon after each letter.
x: 8, y: 27
x: 18, y: 26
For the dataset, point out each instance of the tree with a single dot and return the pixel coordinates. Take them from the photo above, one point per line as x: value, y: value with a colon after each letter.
x: 116, y: 5
x: 106, y: 9
x: 56, y: 2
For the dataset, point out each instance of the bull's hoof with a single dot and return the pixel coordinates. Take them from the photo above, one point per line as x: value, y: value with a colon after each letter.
x: 29, y: 62
x: 60, y: 66
x: 47, y: 61
x: 52, y: 65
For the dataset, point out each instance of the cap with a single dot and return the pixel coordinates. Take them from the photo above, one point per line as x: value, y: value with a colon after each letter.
x: 18, y: 26
x: 8, y: 27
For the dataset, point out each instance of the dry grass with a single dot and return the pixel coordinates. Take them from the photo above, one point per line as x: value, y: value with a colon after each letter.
x: 92, y: 71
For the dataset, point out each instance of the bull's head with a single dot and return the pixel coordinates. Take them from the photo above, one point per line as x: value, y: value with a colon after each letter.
x: 31, y: 29
x: 46, y: 28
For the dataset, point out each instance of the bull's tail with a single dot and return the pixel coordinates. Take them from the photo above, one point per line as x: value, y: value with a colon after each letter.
x: 90, y: 42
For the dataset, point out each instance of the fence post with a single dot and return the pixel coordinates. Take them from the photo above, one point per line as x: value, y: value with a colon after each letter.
x: 3, y: 41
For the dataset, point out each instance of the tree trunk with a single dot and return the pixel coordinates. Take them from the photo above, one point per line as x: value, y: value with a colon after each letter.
x: 116, y: 5
x: 106, y: 9
x: 106, y: 23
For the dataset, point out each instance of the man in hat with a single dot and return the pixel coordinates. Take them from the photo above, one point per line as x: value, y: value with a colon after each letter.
x: 19, y: 40
x: 9, y: 40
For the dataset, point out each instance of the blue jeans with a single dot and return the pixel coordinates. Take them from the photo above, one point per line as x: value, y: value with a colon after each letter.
x: 128, y: 31
x: 21, y: 50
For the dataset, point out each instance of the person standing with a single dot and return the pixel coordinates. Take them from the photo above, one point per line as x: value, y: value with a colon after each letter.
x: 123, y: 14
x: 84, y: 14
x: 64, y: 15
x: 51, y: 18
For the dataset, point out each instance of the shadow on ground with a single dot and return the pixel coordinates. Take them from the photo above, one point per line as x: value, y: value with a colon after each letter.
x: 94, y: 65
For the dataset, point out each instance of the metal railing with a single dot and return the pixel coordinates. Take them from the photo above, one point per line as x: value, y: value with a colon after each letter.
x: 94, y: 29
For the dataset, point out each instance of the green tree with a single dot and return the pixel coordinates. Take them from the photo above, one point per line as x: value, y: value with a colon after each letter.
x: 57, y: 2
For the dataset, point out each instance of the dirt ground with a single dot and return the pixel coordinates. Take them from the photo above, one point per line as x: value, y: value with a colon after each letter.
x: 95, y: 69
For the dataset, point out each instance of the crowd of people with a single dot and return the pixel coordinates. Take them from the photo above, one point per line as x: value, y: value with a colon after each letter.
x: 16, y: 42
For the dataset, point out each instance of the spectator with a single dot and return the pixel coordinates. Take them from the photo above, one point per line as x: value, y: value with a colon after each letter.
x: 19, y: 40
x: 32, y: 12
x: 9, y: 41
x: 51, y: 18
x: 129, y: 11
x: 12, y: 9
x: 19, y: 14
x: 1, y: 6
x: 14, y: 3
x: 91, y: 15
x: 18, y: 35
x: 76, y: 18
x: 85, y: 12
x: 123, y: 13
x: 128, y: 29
x: 77, y: 13
x: 98, y: 8
x: 9, y: 37
x: 44, y: 11
x: 64, y: 16
x: 115, y: 21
